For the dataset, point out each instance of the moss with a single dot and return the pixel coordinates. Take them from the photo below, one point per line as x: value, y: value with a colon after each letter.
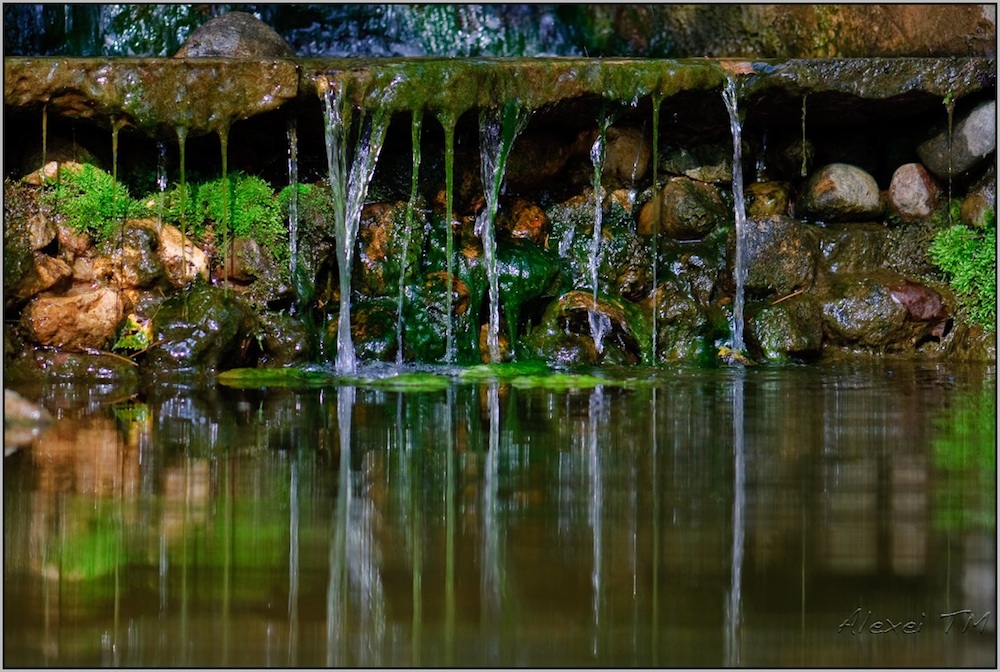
x: 251, y: 208
x: 88, y: 199
x: 969, y: 261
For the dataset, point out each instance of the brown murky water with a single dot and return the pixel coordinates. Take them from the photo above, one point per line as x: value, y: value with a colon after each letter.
x: 773, y: 516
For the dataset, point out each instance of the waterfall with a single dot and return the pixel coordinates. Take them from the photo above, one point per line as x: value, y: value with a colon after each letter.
x: 351, y: 165
x: 739, y: 205
x: 498, y: 128
x: 448, y: 122
x: 599, y: 323
x: 657, y: 101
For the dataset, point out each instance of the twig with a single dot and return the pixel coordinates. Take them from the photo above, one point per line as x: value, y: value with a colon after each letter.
x: 787, y: 296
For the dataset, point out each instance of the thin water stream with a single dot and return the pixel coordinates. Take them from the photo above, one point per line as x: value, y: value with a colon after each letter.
x: 750, y: 516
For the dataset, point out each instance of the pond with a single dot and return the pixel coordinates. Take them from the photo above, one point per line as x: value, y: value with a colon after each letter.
x: 830, y: 515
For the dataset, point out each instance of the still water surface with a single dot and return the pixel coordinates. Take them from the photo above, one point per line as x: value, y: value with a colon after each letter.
x: 760, y: 517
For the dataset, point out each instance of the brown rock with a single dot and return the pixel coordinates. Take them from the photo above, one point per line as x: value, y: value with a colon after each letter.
x: 183, y: 261
x: 627, y: 155
x: 526, y: 221
x: 689, y: 210
x: 764, y: 199
x: 235, y: 35
x: 83, y: 318
x: 840, y: 192
x: 46, y: 273
x: 922, y: 304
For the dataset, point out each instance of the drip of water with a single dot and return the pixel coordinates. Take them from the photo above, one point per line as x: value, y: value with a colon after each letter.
x: 45, y: 137
x: 761, y: 175
x: 161, y: 180
x: 729, y: 95
x: 950, y: 106
x: 182, y: 133
x: 498, y: 128
x: 805, y: 167
x: 599, y: 324
x: 403, y: 266
x: 657, y: 101
x: 448, y: 122
x: 352, y: 165
x: 293, y: 198
x: 225, y: 252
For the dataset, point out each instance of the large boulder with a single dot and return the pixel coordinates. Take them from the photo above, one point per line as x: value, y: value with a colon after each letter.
x: 235, y: 35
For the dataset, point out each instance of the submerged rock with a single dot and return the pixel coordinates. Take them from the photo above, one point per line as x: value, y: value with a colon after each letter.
x: 789, y: 329
x: 23, y: 421
x: 235, y: 35
x: 971, y: 140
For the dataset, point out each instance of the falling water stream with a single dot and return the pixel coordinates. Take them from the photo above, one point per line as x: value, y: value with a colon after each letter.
x: 448, y: 123
x: 293, y: 199
x: 600, y: 323
x: 498, y: 128
x: 739, y: 206
x: 404, y: 266
x: 351, y: 163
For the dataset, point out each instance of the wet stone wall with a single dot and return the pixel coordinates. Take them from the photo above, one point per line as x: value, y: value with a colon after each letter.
x: 202, y: 214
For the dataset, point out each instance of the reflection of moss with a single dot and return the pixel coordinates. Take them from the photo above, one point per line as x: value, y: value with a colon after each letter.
x: 964, y: 454
x: 93, y: 552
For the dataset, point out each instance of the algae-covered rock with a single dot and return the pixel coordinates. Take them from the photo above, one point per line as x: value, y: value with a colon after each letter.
x: 384, y: 246
x: 133, y: 260
x: 373, y: 329
x: 205, y: 328
x: 235, y: 35
x: 789, y: 329
x: 564, y: 336
x: 680, y: 323
x: 853, y: 248
x: 525, y: 273
x: 284, y: 340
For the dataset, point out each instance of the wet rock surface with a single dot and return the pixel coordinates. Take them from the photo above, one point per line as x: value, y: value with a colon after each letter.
x: 913, y: 193
x: 235, y: 35
x: 840, y: 192
x: 83, y: 318
x: 958, y: 150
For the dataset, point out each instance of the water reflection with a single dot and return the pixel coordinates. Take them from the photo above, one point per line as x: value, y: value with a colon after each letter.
x: 732, y: 517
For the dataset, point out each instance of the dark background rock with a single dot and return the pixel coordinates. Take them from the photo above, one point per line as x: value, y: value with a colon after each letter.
x: 235, y: 35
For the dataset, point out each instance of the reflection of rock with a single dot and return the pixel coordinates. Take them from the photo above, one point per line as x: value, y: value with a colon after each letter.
x: 186, y: 494
x: 23, y: 421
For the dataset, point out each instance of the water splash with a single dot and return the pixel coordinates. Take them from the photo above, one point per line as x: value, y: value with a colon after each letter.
x: 498, y: 128
x: 415, y: 130
x: 730, y: 97
x: 351, y: 165
x: 600, y: 324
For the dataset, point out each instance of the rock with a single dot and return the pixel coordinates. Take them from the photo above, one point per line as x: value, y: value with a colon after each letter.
x: 48, y: 365
x: 45, y: 273
x: 913, y: 193
x: 564, y: 334
x: 705, y: 163
x: 41, y: 232
x: 523, y: 220
x: 183, y: 262
x: 539, y: 156
x: 979, y: 206
x: 383, y: 247
x: 504, y: 350
x: 58, y: 150
x: 853, y: 248
x: 425, y: 317
x: 373, y: 330
x: 922, y: 304
x: 689, y: 210
x: 74, y: 243
x: 83, y: 318
x: 840, y: 192
x: 780, y: 255
x: 628, y: 154
x: 235, y: 35
x: 764, y: 199
x: 245, y: 260
x: 135, y: 261
x: 204, y: 328
x: 861, y: 311
x: 23, y: 421
x: 284, y: 339
x: 972, y: 140
x: 789, y: 329
x: 679, y: 322
x: 525, y: 272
